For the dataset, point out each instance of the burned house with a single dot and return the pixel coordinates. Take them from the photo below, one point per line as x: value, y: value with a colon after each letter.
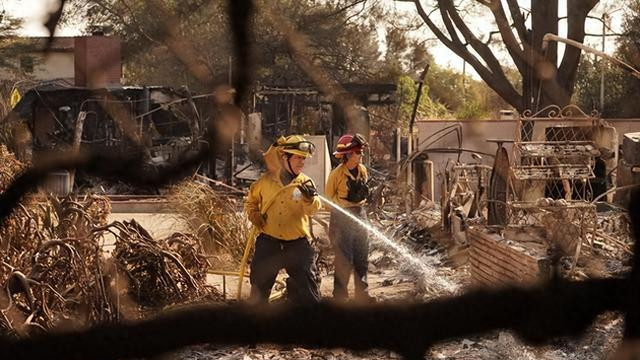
x: 308, y: 110
x: 158, y: 123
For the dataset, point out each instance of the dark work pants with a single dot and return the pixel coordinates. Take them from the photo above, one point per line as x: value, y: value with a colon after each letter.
x: 351, y: 246
x: 296, y: 257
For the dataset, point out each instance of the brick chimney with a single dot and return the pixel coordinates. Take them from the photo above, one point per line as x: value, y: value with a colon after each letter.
x: 97, y: 61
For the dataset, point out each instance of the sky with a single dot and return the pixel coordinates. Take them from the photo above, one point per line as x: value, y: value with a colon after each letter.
x: 34, y: 12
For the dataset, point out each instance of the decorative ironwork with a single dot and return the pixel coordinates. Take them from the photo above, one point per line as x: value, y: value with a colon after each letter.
x: 498, y: 189
x: 553, y: 159
x: 467, y: 186
x: 553, y: 172
x: 559, y: 156
x: 569, y: 112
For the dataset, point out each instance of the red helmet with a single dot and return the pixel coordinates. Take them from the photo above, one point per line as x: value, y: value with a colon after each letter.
x: 349, y: 144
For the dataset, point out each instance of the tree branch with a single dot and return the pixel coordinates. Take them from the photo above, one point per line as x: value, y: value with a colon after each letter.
x: 432, y: 26
x: 537, y: 315
x: 498, y: 77
x: 483, y: 50
x: 446, y: 18
x: 510, y: 41
x: 577, y: 11
x: 518, y: 20
x: 504, y: 89
x: 490, y: 38
x: 132, y: 19
x: 345, y: 8
x: 182, y: 48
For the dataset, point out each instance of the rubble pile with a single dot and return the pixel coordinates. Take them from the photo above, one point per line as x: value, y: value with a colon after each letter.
x: 598, y: 343
x: 417, y: 226
x: 584, y: 244
x: 608, y: 253
x: 419, y: 232
x: 614, y: 235
x: 566, y: 224
x: 414, y: 228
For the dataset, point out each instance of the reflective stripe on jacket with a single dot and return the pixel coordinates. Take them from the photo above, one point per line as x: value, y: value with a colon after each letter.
x: 337, y: 190
x: 288, y: 213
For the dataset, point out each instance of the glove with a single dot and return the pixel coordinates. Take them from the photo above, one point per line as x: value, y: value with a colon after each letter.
x: 308, y: 189
x: 358, y: 190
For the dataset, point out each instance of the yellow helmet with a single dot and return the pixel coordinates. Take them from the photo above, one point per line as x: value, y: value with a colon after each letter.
x: 295, y: 145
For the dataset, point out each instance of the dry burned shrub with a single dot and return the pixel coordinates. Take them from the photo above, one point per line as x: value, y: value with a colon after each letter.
x: 67, y: 281
x: 20, y: 235
x: 78, y: 221
x: 54, y: 273
x: 75, y: 227
x: 9, y: 167
x: 216, y: 218
x: 154, y: 269
x: 190, y: 251
x: 52, y: 265
x: 20, y: 231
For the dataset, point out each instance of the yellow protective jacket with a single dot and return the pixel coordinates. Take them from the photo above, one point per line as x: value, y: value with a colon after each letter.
x: 336, y: 189
x: 287, y: 211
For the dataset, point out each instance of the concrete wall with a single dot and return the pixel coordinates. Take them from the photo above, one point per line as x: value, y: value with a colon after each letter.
x: 58, y: 65
x: 624, y: 126
x: 474, y: 137
x: 7, y: 74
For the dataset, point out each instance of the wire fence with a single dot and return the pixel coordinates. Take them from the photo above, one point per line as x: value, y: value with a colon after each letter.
x: 537, y: 315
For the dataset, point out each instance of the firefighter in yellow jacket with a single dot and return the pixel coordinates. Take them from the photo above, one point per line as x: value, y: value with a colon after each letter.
x: 279, y: 205
x: 347, y: 187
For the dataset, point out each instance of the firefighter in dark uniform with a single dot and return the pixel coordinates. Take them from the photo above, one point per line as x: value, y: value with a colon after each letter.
x: 347, y: 187
x: 279, y: 205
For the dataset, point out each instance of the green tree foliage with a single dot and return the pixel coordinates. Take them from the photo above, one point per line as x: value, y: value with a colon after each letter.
x: 588, y: 85
x: 629, y: 52
x: 620, y: 86
x: 10, y: 47
x: 428, y: 107
x: 343, y: 37
x: 346, y: 48
x: 447, y: 94
x: 463, y: 96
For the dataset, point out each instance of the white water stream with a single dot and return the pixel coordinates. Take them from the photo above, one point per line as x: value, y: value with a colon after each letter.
x: 430, y: 275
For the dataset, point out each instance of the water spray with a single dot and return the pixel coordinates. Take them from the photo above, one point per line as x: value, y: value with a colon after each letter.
x: 429, y: 273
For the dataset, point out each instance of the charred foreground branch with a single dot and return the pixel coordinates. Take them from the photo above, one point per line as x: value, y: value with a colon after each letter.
x: 537, y: 315
x: 561, y: 308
